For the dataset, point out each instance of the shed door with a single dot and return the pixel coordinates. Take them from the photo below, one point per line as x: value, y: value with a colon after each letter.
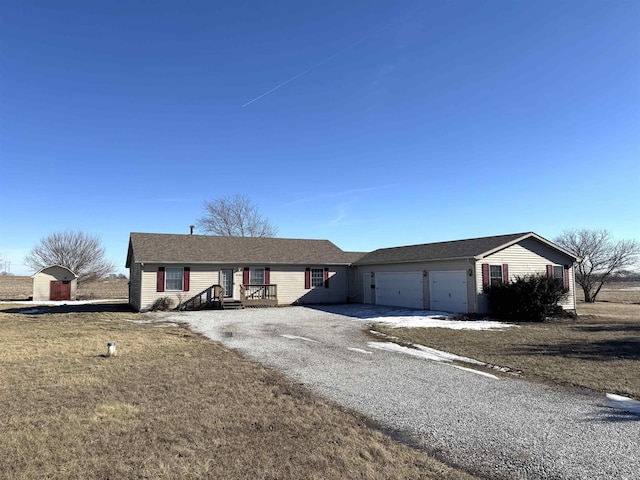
x: 60, y: 290
x: 400, y: 289
x: 448, y: 291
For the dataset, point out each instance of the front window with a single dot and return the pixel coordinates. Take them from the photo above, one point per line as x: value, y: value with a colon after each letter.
x: 495, y: 274
x: 317, y: 277
x: 174, y: 279
x: 256, y: 276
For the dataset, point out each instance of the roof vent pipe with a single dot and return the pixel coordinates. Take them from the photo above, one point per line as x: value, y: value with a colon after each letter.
x: 191, y: 227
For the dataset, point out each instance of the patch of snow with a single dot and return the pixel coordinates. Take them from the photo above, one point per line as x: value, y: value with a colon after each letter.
x: 440, y: 321
x: 431, y: 354
x: 477, y: 372
x: 623, y: 403
x: 449, y: 356
x: 424, y: 352
x: 359, y: 350
x: 31, y: 310
x: 296, y: 337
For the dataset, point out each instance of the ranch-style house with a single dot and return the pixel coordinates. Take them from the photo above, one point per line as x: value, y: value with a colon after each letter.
x: 200, y: 271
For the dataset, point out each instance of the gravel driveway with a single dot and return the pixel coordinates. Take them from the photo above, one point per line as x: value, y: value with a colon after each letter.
x: 504, y: 428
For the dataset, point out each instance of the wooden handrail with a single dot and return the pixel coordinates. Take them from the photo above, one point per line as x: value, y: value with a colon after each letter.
x: 211, y: 294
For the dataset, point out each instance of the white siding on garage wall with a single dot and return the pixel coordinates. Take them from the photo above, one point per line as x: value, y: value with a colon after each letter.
x: 525, y: 258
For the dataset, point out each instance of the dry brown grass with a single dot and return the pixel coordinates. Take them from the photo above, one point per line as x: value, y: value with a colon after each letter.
x: 171, y: 405
x: 600, y: 350
x: 21, y: 288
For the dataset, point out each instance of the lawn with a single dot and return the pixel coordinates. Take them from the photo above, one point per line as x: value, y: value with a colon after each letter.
x: 170, y: 405
x: 600, y: 350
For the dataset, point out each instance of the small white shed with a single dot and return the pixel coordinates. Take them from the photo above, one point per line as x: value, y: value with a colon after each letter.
x: 54, y: 283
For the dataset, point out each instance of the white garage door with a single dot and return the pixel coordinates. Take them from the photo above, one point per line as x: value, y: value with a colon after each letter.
x: 448, y: 291
x: 399, y: 289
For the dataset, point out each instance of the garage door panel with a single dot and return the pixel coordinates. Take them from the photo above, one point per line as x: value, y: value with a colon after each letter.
x: 448, y: 291
x: 397, y: 289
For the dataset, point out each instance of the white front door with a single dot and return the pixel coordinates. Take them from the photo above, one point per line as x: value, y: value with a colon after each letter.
x: 448, y: 291
x: 400, y: 289
x: 226, y: 281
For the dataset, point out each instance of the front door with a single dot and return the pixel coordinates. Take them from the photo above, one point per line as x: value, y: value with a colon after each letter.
x: 226, y: 281
x: 60, y: 290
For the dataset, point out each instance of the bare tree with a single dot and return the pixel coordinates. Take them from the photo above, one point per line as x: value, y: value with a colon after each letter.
x: 600, y: 257
x: 235, y: 216
x: 81, y: 253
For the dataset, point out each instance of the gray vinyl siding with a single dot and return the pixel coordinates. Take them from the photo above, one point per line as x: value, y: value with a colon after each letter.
x: 439, y: 266
x: 526, y: 258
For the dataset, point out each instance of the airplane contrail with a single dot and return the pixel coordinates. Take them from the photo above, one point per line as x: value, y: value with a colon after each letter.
x: 292, y: 78
x: 313, y: 67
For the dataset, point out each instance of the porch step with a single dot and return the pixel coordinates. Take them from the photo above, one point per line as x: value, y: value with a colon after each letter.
x: 232, y: 305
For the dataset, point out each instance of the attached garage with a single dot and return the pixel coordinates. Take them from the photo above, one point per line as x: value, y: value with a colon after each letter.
x: 400, y: 289
x: 448, y: 291
x: 56, y: 283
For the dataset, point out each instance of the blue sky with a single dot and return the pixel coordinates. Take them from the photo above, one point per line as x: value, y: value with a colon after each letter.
x: 369, y: 123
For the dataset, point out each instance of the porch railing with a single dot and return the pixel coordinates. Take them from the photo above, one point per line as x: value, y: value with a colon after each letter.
x: 256, y: 295
x: 211, y: 297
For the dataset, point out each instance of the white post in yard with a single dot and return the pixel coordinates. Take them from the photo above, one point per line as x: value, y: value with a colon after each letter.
x: 111, y: 349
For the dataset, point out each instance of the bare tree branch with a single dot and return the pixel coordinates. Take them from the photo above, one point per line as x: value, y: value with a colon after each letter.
x: 600, y: 257
x: 235, y: 216
x: 81, y: 253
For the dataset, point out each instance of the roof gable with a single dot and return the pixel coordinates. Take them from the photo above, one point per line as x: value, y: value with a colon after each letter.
x: 174, y: 248
x: 458, y: 249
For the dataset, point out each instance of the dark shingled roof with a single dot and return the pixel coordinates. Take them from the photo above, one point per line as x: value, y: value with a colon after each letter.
x: 439, y: 251
x: 173, y: 248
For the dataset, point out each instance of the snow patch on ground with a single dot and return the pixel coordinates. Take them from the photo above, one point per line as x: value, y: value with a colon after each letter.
x: 477, y: 372
x: 439, y: 320
x: 447, y: 355
x: 296, y: 337
x: 431, y: 354
x: 359, y: 350
x: 623, y: 403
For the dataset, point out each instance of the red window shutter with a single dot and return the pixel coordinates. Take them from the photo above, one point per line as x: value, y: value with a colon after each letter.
x: 185, y: 278
x: 307, y: 278
x: 245, y: 276
x: 485, y: 275
x: 326, y: 277
x: 549, y: 271
x: 267, y: 275
x: 160, y: 285
x: 565, y: 278
x: 505, y: 273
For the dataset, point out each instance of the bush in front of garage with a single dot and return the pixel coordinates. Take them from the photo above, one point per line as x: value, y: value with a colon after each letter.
x: 529, y: 298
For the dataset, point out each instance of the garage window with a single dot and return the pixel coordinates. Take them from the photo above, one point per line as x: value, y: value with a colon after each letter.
x: 495, y: 275
x: 558, y: 272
